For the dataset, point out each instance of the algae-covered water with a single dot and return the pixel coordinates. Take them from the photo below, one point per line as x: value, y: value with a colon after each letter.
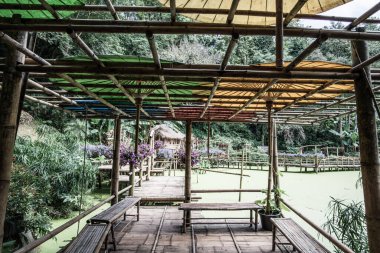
x: 309, y: 193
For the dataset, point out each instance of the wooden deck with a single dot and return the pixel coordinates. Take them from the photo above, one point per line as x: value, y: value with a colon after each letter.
x: 162, y: 189
x: 141, y: 236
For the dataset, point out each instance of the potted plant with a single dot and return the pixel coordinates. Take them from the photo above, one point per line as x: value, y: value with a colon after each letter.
x: 271, y: 210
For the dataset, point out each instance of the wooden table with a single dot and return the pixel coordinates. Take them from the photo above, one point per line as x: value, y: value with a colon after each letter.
x: 188, y: 207
x: 108, y: 169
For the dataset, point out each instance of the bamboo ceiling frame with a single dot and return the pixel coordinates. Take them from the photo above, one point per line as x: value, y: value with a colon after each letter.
x: 205, y: 72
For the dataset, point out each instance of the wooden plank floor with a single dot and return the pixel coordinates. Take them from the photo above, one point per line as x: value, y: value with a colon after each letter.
x: 162, y: 187
x: 140, y: 236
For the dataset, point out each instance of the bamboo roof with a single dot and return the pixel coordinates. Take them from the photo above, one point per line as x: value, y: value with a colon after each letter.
x: 103, y: 86
x: 310, y: 7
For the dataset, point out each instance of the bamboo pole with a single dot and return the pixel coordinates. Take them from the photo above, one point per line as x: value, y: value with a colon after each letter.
x: 241, y: 173
x: 363, y: 17
x: 116, y: 161
x: 9, y: 106
x: 257, y: 95
x: 208, y: 139
x: 270, y: 154
x: 112, y: 10
x: 369, y: 152
x: 279, y: 31
x: 156, y: 58
x: 293, y: 12
x: 173, y: 13
x: 127, y: 27
x: 137, y: 132
x: 232, y: 11
x: 188, y: 168
x: 276, y: 176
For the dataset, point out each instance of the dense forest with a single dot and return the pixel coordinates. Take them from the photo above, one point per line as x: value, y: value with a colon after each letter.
x: 47, y: 194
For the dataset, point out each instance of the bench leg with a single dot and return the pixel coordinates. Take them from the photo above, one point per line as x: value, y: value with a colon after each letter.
x: 250, y: 218
x: 184, y: 221
x: 106, y: 244
x: 138, y: 211
x: 274, y: 238
x: 256, y: 220
x: 113, y: 238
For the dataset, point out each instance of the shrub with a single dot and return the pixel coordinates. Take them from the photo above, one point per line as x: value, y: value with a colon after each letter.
x: 347, y: 222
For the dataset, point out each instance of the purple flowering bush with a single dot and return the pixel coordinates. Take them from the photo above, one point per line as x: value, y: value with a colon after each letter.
x: 195, y: 157
x: 95, y: 151
x: 158, y: 145
x: 143, y: 151
x: 127, y: 155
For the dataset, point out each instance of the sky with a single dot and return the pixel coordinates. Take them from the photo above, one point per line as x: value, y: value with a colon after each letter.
x: 351, y: 9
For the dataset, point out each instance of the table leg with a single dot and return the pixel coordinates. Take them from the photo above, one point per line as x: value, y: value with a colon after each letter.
x: 250, y: 218
x: 138, y: 211
x: 256, y: 220
x: 274, y: 238
x: 184, y: 221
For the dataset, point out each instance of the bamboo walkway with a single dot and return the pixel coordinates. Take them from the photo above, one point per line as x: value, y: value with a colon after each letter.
x: 162, y: 189
x: 159, y: 230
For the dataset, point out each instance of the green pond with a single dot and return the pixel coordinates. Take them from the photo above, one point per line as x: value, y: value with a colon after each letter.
x: 309, y: 193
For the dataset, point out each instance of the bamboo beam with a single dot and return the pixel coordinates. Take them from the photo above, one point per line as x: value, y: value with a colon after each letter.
x: 116, y: 161
x: 293, y: 12
x: 310, y: 93
x: 112, y: 10
x: 9, y: 107
x: 193, y: 28
x: 49, y: 8
x: 173, y: 13
x: 187, y: 72
x: 188, y: 167
x: 156, y: 58
x: 257, y: 95
x: 163, y: 9
x: 21, y: 48
x: 232, y: 11
x: 369, y: 152
x: 365, y: 63
x: 323, y: 37
x: 87, y: 50
x: 279, y: 31
x: 363, y: 17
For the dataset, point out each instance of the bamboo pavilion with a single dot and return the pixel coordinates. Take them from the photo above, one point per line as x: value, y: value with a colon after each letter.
x: 127, y: 87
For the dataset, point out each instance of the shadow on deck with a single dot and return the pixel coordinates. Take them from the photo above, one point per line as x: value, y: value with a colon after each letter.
x: 141, y: 236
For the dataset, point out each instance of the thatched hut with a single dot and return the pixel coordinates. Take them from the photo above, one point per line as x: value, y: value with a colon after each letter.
x: 171, y: 138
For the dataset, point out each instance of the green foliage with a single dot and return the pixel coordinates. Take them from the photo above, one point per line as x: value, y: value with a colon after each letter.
x: 26, y: 209
x: 57, y: 159
x: 347, y: 222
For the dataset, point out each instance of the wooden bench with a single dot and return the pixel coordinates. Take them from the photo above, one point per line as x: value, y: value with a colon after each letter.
x: 295, y: 237
x: 90, y: 239
x: 188, y: 207
x: 113, y: 213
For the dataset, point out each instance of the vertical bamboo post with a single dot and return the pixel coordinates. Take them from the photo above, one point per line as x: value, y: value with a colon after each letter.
x: 241, y: 173
x: 188, y: 167
x: 150, y: 158
x: 116, y: 161
x: 276, y: 178
x: 279, y: 30
x: 137, y: 131
x: 9, y: 105
x: 269, y: 105
x: 208, y: 139
x: 369, y: 153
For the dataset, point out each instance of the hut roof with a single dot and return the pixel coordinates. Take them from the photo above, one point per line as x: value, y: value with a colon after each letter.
x: 167, y: 132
